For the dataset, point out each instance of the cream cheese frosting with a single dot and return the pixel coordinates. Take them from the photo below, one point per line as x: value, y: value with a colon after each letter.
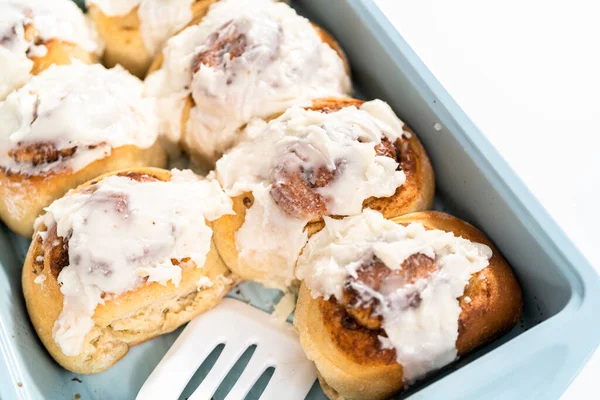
x: 159, y: 19
x: 422, y: 332
x: 56, y: 19
x: 84, y: 107
x: 122, y: 234
x: 301, y: 141
x: 245, y: 59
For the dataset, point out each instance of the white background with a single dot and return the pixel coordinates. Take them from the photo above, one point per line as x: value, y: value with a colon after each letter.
x: 527, y: 72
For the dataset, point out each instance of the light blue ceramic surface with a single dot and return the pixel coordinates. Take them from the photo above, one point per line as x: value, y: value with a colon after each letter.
x: 537, y: 360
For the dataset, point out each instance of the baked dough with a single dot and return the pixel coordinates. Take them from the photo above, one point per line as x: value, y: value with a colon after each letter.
x: 241, y: 61
x: 415, y: 194
x: 64, y: 141
x: 129, y: 319
x: 352, y: 364
x: 37, y: 34
x: 123, y: 38
x: 23, y: 197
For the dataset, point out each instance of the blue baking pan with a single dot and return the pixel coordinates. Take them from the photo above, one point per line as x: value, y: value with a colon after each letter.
x: 537, y: 360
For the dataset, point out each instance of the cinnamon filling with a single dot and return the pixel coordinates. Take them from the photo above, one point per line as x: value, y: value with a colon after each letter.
x: 57, y: 250
x: 407, y: 157
x: 330, y: 105
x: 385, y: 148
x: 376, y: 276
x: 139, y: 176
x: 40, y: 153
x: 357, y: 342
x: 294, y: 191
x: 353, y: 324
x: 226, y: 41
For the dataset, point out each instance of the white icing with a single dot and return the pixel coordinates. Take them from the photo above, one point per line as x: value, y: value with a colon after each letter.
x: 204, y: 282
x: 284, y: 308
x: 423, y: 335
x: 56, y: 19
x: 37, y: 51
x: 159, y: 19
x: 40, y: 279
x: 125, y: 233
x: 347, y: 137
x: 76, y: 105
x: 269, y: 241
x: 284, y: 63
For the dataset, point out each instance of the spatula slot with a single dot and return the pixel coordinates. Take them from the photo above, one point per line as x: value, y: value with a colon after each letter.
x: 234, y: 374
x: 202, y: 372
x: 260, y: 385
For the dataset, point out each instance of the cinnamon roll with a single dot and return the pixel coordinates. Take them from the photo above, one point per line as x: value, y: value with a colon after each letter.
x: 135, y: 30
x: 333, y: 158
x: 68, y: 125
x: 244, y: 60
x: 35, y: 34
x: 384, y: 303
x: 120, y: 260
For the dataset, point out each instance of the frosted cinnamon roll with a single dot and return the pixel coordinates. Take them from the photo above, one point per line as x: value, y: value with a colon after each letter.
x: 331, y: 159
x: 135, y: 30
x: 245, y: 59
x: 35, y: 34
x: 120, y: 260
x: 384, y: 303
x: 68, y: 125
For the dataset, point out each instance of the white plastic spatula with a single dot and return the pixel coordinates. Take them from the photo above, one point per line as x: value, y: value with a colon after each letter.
x: 237, y: 326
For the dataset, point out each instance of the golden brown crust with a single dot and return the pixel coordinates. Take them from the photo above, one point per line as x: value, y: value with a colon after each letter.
x: 224, y: 230
x: 347, y: 354
x: 123, y: 39
x: 415, y: 194
x: 337, y: 366
x: 129, y: 319
x: 58, y: 51
x: 23, y: 197
x: 329, y: 105
x: 61, y: 53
